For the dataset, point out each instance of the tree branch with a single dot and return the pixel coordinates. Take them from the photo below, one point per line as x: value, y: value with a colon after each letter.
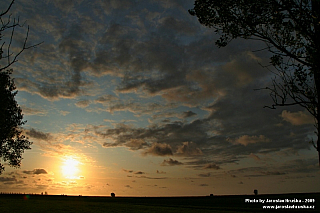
x: 5, y: 12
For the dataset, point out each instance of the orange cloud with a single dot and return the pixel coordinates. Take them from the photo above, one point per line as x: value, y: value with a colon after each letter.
x: 297, y: 118
x: 247, y: 139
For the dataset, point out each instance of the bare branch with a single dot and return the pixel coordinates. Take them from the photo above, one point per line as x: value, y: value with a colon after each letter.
x: 24, y: 47
x: 5, y: 12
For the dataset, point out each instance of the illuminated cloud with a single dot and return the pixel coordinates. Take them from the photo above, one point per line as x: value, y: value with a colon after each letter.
x: 32, y: 111
x: 64, y: 113
x: 246, y: 139
x: 297, y: 118
x: 256, y: 157
x: 82, y: 103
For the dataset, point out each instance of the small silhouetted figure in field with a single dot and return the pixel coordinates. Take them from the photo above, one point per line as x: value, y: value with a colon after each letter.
x: 113, y: 194
x: 255, y: 192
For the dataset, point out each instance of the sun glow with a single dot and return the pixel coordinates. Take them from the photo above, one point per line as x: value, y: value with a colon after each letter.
x: 70, y: 168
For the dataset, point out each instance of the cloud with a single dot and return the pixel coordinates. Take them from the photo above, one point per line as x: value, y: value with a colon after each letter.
x: 64, y: 113
x: 106, y: 99
x: 246, y: 139
x: 204, y: 175
x: 189, y: 149
x: 171, y: 162
x: 139, y: 173
x: 188, y: 114
x: 32, y: 111
x: 161, y: 139
x: 53, y: 144
x: 131, y: 171
x: 203, y: 184
x: 153, y: 178
x: 273, y: 173
x: 8, y: 179
x: 159, y: 149
x: 297, y: 118
x: 35, y: 171
x: 82, y: 103
x: 212, y: 166
x: 256, y: 157
x: 135, y: 144
x: 39, y: 135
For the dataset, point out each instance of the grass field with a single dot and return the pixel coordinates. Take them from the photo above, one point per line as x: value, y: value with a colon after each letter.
x: 222, y: 204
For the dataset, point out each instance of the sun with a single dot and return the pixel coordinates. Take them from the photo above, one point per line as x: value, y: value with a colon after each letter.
x: 70, y: 168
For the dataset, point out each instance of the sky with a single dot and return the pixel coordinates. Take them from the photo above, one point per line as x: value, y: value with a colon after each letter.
x: 133, y: 97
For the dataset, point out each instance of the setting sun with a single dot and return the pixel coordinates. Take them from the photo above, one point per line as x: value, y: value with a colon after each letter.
x: 70, y: 168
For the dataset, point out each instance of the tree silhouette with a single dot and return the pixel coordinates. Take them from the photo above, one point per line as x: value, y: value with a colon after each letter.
x: 291, y: 31
x: 12, y: 142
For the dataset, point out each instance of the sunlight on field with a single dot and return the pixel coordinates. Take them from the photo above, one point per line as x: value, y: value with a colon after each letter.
x: 70, y: 168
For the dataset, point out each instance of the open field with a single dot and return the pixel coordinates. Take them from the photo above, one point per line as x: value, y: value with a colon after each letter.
x: 222, y: 204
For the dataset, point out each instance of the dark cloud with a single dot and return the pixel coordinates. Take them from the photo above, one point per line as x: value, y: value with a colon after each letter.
x: 203, y: 184
x: 273, y: 173
x: 163, y: 139
x: 35, y: 172
x: 159, y: 149
x: 139, y: 173
x: 212, y: 166
x: 204, y: 175
x: 152, y: 178
x: 171, y: 162
x: 135, y: 144
x: 8, y: 179
x: 189, y: 149
x: 38, y: 134
x: 188, y: 114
